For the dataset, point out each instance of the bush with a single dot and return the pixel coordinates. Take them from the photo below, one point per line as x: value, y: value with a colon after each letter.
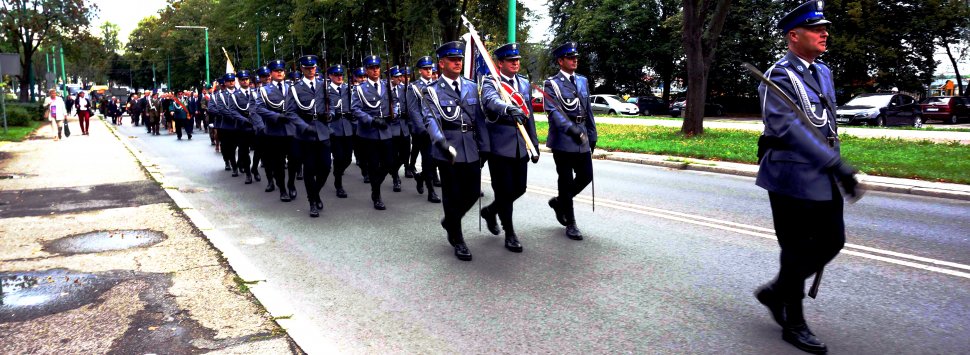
x: 19, y: 114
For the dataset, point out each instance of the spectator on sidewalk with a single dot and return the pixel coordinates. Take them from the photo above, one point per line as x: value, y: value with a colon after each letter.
x: 69, y: 105
x: 83, y: 106
x: 55, y: 111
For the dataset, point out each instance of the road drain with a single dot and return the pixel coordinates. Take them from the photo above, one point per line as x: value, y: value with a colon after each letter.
x: 96, y: 242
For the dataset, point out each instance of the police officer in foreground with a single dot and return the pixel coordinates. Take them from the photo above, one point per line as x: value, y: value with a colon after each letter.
x: 259, y: 139
x: 278, y: 130
x: 227, y: 125
x: 456, y: 123
x: 359, y: 75
x: 239, y: 104
x: 401, y: 135
x: 508, y: 157
x: 371, y: 105
x: 420, y: 140
x: 572, y: 134
x: 341, y: 128
x: 307, y: 109
x: 802, y: 171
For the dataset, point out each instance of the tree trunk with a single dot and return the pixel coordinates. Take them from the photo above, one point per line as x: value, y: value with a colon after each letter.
x: 700, y: 42
x: 696, y: 90
x: 956, y: 68
x: 27, y: 71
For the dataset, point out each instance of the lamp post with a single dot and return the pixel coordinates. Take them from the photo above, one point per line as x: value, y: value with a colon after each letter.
x: 206, y: 29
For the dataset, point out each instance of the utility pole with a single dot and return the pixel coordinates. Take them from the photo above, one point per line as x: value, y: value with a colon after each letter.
x: 63, y: 72
x: 206, y: 29
x: 169, y: 72
x: 511, y: 21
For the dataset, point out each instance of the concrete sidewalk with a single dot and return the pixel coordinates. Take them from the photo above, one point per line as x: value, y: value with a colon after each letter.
x: 95, y: 258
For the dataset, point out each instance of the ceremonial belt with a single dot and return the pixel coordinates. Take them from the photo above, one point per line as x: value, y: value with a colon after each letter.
x: 454, y: 126
x: 578, y: 119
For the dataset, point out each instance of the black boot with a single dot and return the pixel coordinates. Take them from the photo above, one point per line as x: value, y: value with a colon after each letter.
x: 292, y: 190
x: 338, y: 183
x: 796, y: 331
x: 457, y: 241
x: 235, y: 172
x: 408, y: 172
x: 433, y: 196
x: 249, y: 178
x: 397, y: 184
x: 419, y: 181
x: 314, y: 210
x: 490, y: 222
x: 285, y: 196
x: 270, y: 186
x: 560, y: 215
x: 571, y: 230
x: 256, y: 176
x: 378, y: 204
x: 512, y: 242
x: 767, y: 296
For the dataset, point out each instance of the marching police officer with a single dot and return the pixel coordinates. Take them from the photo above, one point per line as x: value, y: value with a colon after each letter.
x: 456, y: 123
x: 307, y: 109
x: 572, y: 134
x: 401, y: 135
x: 371, y: 105
x: 239, y: 102
x: 226, y: 125
x: 420, y: 139
x: 279, y: 131
x: 341, y: 128
x: 802, y: 169
x: 360, y: 74
x: 259, y: 139
x: 508, y: 157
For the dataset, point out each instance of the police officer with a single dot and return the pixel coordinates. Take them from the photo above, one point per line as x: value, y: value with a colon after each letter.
x: 279, y: 131
x: 259, y: 139
x: 401, y: 135
x: 239, y: 103
x: 456, y: 123
x: 371, y: 105
x: 341, y: 128
x: 359, y: 76
x: 307, y: 109
x: 508, y: 157
x: 802, y: 170
x: 152, y: 111
x: 226, y: 124
x: 572, y: 134
x: 420, y: 140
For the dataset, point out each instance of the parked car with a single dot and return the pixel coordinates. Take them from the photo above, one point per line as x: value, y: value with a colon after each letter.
x: 949, y: 109
x: 710, y: 109
x: 612, y: 104
x: 650, y: 105
x: 881, y: 109
x: 537, y: 104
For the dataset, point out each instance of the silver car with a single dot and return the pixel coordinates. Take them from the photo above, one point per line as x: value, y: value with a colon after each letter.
x: 612, y: 105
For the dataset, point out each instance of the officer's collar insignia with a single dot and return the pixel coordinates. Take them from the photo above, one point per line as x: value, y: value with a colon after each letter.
x: 800, y: 68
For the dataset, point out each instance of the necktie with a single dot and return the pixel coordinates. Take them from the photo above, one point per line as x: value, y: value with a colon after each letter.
x: 313, y: 88
x: 572, y: 79
x: 455, y: 85
x: 280, y: 86
x: 814, y: 71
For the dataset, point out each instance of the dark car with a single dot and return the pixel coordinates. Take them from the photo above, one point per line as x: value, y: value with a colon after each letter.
x: 881, y: 109
x: 710, y: 109
x: 949, y: 109
x: 650, y: 105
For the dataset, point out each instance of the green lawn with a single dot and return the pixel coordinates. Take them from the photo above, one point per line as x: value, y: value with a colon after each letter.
x: 18, y: 133
x: 886, y: 157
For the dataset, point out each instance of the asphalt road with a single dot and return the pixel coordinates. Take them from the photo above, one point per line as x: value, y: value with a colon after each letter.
x: 668, y: 266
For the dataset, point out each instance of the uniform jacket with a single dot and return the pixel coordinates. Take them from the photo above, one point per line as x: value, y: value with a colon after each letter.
x: 258, y: 125
x: 400, y: 125
x: 368, y: 105
x: 177, y: 112
x: 305, y: 108
x: 238, y: 104
x: 271, y: 108
x: 466, y: 131
x: 799, y: 167
x: 503, y: 134
x: 217, y: 109
x: 153, y: 109
x: 414, y: 107
x: 340, y: 126
x: 574, y: 99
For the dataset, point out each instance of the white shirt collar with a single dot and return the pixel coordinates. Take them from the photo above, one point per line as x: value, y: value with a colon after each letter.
x: 449, y: 81
x: 804, y: 62
x: 308, y: 81
x: 335, y: 86
x: 567, y: 75
x: 426, y: 81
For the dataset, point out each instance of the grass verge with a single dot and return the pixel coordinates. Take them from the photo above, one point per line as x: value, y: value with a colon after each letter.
x: 923, y: 160
x: 18, y: 133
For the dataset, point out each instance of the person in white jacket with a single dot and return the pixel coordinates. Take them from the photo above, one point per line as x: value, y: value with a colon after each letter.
x: 55, y: 111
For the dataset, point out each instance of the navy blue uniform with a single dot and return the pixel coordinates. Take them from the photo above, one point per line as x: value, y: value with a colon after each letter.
x: 306, y: 108
x: 420, y: 139
x: 341, y: 133
x: 370, y: 105
x: 239, y: 103
x: 279, y: 133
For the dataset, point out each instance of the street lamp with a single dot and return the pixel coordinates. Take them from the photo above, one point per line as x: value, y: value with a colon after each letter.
x: 207, y: 79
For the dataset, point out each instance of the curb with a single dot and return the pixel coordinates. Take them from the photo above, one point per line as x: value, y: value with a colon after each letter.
x: 299, y: 329
x: 678, y: 163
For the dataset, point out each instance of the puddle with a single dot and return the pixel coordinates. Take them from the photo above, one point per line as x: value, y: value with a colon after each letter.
x: 191, y: 190
x: 33, y: 294
x: 96, y: 242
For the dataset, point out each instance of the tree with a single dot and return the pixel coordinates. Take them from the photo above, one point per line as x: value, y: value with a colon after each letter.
x: 109, y: 35
x: 703, y: 22
x: 950, y: 27
x: 28, y: 23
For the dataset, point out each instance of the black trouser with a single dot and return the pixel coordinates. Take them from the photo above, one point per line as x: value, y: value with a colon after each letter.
x: 276, y: 148
x: 422, y: 144
x: 294, y: 161
x: 509, y: 178
x: 244, y: 141
x: 152, y: 126
x: 227, y: 145
x: 380, y: 157
x: 461, y: 185
x: 810, y: 233
x: 416, y: 148
x: 402, y: 149
x: 135, y: 116
x: 570, y: 185
x: 360, y: 153
x: 259, y: 153
x: 185, y: 124
x: 316, y: 160
x: 343, y: 148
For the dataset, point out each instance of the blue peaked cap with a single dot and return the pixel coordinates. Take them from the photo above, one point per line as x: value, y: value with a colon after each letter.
x: 508, y: 51
x: 568, y: 49
x: 296, y: 75
x: 425, y: 62
x: 308, y: 61
x: 243, y: 74
x: 229, y: 77
x: 395, y: 71
x: 263, y: 71
x: 372, y: 61
x: 278, y: 64
x: 359, y: 71
x: 335, y: 69
x: 806, y: 14
x: 451, y: 49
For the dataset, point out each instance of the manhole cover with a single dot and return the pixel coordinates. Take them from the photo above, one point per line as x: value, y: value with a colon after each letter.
x: 96, y: 242
x: 32, y: 294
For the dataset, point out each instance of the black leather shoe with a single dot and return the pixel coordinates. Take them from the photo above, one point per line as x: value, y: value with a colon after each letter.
x: 573, y: 232
x: 228, y: 168
x: 560, y: 216
x: 397, y: 185
x: 512, y: 243
x: 420, y: 183
x: 235, y: 172
x: 341, y: 193
x: 490, y: 221
x: 462, y: 252
x: 314, y: 211
x: 285, y: 196
x: 767, y: 297
x: 292, y: 190
x: 270, y: 186
x: 249, y: 179
x: 379, y: 205
x: 433, y: 197
x: 257, y: 177
x: 803, y: 338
